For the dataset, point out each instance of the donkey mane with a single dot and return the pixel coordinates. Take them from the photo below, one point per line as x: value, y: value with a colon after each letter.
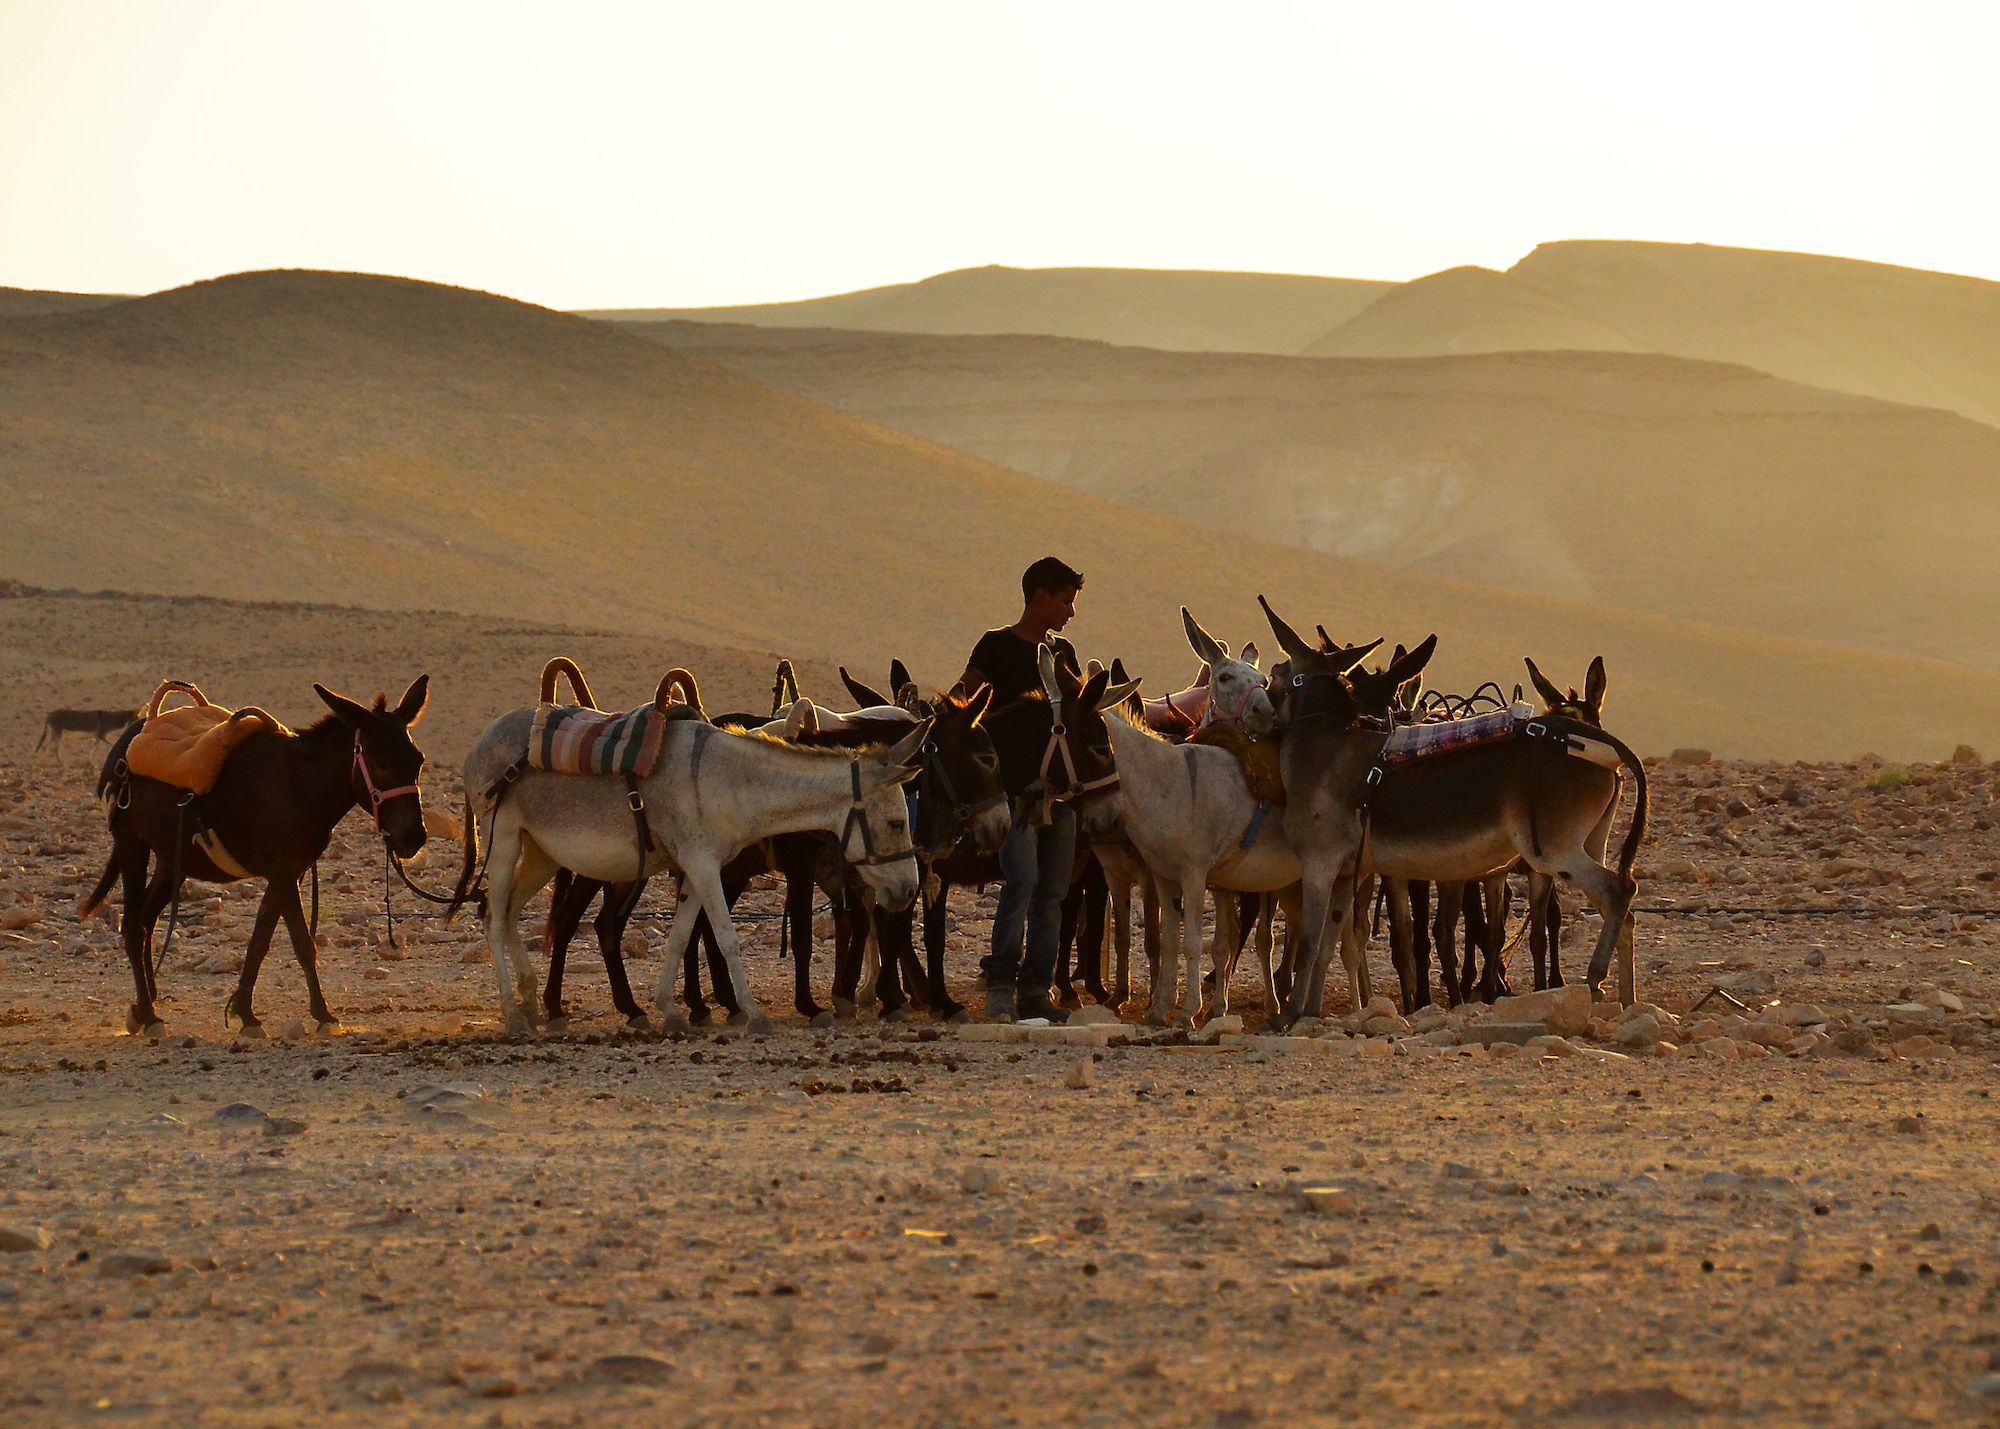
x: 821, y: 751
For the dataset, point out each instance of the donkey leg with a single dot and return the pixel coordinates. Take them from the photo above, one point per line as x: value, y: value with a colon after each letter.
x: 680, y: 932
x: 1541, y: 889
x: 1090, y: 947
x: 1266, y: 904
x: 1069, y: 954
x: 1420, y: 939
x: 1167, y: 971
x: 1601, y: 886
x: 1499, y: 898
x: 283, y: 895
x: 1318, y: 896
x: 701, y: 945
x: 943, y: 1006
x: 531, y: 875
x: 1118, y: 900
x: 569, y: 898
x: 503, y: 854
x: 1403, y: 947
x: 799, y: 927
x: 610, y: 929
x: 137, y: 934
x: 704, y: 878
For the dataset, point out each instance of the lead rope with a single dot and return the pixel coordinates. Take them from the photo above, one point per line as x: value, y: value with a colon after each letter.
x: 174, y: 908
x: 388, y: 912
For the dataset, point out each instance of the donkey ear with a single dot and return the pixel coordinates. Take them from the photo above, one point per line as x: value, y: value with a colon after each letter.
x: 1118, y: 675
x: 1116, y: 695
x: 1045, y: 665
x: 410, y: 708
x: 1594, y: 685
x: 1412, y: 665
x: 1203, y: 644
x: 899, y: 675
x: 344, y: 709
x: 978, y: 705
x: 1551, y: 696
x: 1288, y: 638
x: 863, y: 696
x: 1350, y: 659
x: 1092, y: 695
x: 1248, y: 654
x: 903, y: 753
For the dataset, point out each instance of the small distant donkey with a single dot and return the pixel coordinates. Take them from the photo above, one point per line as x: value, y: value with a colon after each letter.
x: 98, y: 724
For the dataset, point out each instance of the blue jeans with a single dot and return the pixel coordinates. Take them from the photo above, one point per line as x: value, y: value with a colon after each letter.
x: 1027, y: 926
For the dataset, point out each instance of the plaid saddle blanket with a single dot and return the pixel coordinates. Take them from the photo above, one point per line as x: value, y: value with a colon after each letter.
x: 1414, y: 741
x: 568, y: 739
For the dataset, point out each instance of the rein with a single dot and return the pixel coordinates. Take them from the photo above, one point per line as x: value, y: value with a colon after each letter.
x: 856, y: 814
x: 1059, y: 744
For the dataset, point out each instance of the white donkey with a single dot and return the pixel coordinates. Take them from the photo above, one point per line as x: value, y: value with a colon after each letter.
x: 710, y: 796
x: 1189, y: 812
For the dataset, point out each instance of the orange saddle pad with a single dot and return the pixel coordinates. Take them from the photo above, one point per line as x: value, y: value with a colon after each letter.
x: 187, y: 746
x: 1259, y: 758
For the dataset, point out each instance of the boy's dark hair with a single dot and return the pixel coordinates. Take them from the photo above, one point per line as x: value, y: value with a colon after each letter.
x: 1049, y: 573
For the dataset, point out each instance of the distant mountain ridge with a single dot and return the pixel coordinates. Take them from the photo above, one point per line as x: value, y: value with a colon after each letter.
x: 1179, y: 311
x: 34, y: 302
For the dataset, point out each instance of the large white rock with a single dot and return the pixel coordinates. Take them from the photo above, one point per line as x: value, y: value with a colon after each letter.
x: 1565, y: 1011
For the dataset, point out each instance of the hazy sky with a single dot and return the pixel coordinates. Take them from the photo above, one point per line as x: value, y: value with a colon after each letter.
x: 655, y: 154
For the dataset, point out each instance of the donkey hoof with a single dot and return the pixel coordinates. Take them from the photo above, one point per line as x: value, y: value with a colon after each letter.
x: 556, y: 1026
x: 153, y: 1031
x: 329, y: 1027
x: 133, y: 1022
x: 674, y: 1021
x: 639, y: 1023
x: 896, y: 1014
x: 701, y: 1017
x: 822, y: 1019
x: 957, y: 1014
x: 250, y: 1032
x: 760, y: 1025
x: 843, y: 1009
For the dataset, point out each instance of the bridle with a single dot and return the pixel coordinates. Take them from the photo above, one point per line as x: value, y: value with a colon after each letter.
x: 856, y: 814
x: 377, y: 797
x: 1059, y: 744
x: 1214, y: 713
x: 962, y: 813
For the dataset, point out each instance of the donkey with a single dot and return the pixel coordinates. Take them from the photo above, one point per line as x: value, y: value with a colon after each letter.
x: 710, y: 795
x: 1190, y: 813
x: 1544, y: 907
x: 98, y: 724
x: 272, y: 809
x: 1461, y: 815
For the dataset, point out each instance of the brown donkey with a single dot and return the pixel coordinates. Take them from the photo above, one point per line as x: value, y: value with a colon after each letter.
x: 272, y: 809
x: 1455, y: 816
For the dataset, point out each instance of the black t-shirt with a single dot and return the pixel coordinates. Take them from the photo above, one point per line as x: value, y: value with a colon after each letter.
x: 1009, y: 663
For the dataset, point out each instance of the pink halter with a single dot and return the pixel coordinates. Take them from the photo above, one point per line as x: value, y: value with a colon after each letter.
x: 377, y: 797
x: 1215, y: 714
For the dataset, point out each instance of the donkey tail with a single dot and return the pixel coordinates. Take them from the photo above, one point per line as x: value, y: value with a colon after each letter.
x: 94, y: 900
x: 47, y: 725
x: 108, y: 777
x: 463, y: 893
x: 1628, y: 852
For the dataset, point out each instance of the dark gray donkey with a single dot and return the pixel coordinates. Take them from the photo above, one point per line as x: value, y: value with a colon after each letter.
x: 98, y: 724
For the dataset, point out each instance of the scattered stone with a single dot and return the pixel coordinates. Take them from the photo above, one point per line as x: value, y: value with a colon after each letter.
x: 977, y: 1180
x: 1329, y: 1200
x: 129, y: 1263
x: 241, y: 1117
x: 476, y: 953
x: 1515, y: 1033
x: 630, y: 1369
x: 446, y: 1096
x: 1690, y: 756
x: 1095, y: 1014
x: 1081, y: 1074
x: 1909, y: 1126
x: 163, y: 1121
x: 14, y: 1240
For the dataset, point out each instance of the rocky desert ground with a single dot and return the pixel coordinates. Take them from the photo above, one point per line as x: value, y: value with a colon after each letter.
x: 1779, y: 1213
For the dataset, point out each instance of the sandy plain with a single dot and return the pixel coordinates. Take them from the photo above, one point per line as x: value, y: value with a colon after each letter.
x: 421, y: 1221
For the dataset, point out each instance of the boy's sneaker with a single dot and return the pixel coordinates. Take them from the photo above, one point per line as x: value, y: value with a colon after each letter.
x: 1000, y: 1003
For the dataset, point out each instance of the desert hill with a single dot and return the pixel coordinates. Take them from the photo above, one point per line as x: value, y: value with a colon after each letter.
x: 1650, y: 483
x: 375, y: 442
x: 1463, y: 310
x: 31, y: 302
x: 1178, y: 311
x: 1902, y: 334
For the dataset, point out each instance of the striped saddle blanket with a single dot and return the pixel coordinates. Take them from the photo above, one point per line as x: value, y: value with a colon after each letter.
x: 568, y: 739
x: 1414, y: 741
